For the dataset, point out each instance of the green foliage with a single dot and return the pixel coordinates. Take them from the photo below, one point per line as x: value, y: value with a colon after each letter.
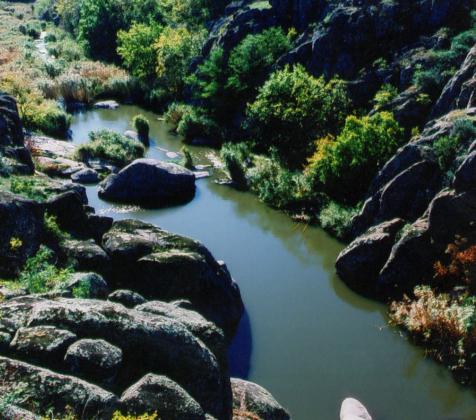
x: 53, y: 230
x: 29, y: 187
x: 111, y: 146
x: 176, y: 47
x: 236, y: 158
x: 141, y: 124
x: 136, y: 48
x: 448, y: 148
x: 196, y: 124
x: 101, y: 20
x: 344, y: 167
x: 292, y: 109
x: 191, y: 13
x: 276, y: 186
x: 252, y: 57
x: 40, y: 273
x: 337, y: 219
x: 176, y: 112
x: 384, y: 96
x: 187, y: 158
x: 208, y: 82
x: 82, y: 291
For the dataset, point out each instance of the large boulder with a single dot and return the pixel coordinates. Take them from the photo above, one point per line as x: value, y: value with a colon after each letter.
x: 155, y: 393
x: 164, y: 266
x: 205, y: 330
x: 86, y: 255
x: 465, y: 176
x: 11, y: 137
x: 47, y: 390
x: 90, y: 285
x: 150, y: 183
x: 459, y: 92
x: 252, y: 398
x: 149, y: 343
x: 22, y: 220
x: 96, y: 360
x: 359, y: 264
x: 128, y: 298
x: 45, y: 344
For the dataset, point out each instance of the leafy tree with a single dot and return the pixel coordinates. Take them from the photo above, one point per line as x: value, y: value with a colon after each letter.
x: 101, y: 20
x: 293, y: 108
x: 345, y: 166
x: 249, y: 61
x: 175, y: 49
x: 136, y: 48
x: 70, y: 13
x: 190, y: 12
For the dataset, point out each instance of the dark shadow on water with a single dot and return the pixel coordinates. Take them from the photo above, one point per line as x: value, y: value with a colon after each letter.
x: 239, y: 354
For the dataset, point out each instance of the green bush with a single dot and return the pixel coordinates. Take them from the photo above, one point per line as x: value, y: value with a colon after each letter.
x: 175, y: 113
x: 195, y: 124
x: 110, y: 146
x: 236, y: 158
x: 252, y: 57
x: 49, y: 119
x: 52, y: 229
x: 337, y: 219
x: 384, y: 96
x: 30, y: 187
x: 136, y: 48
x: 277, y: 186
x: 292, y: 109
x: 343, y: 167
x: 41, y: 275
x: 187, y: 160
x: 141, y: 124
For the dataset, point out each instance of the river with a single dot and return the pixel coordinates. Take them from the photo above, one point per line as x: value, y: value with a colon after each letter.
x: 305, y: 336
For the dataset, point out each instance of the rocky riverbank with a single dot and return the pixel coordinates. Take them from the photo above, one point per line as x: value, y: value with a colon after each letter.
x: 142, y: 321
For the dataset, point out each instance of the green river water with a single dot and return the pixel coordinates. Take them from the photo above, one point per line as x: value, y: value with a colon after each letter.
x: 305, y: 336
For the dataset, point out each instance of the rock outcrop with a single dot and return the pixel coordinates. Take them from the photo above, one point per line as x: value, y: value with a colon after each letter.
x: 251, y: 398
x: 150, y: 183
x: 165, y: 266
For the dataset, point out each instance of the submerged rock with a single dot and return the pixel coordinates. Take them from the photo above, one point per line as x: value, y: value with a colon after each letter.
x: 252, y: 398
x: 150, y: 183
x: 106, y: 105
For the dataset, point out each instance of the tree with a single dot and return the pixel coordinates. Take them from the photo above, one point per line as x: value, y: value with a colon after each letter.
x: 344, y: 167
x: 252, y: 57
x: 136, y: 48
x: 292, y: 109
x: 175, y: 49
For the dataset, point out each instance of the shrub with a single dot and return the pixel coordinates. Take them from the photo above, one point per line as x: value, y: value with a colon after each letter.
x: 111, y: 146
x: 293, y: 108
x: 337, y: 219
x: 176, y: 112
x: 384, y: 96
x: 345, y: 166
x: 119, y: 416
x: 444, y: 324
x: 29, y: 187
x: 175, y: 48
x: 275, y: 185
x: 187, y: 161
x: 141, y: 124
x: 252, y: 57
x: 237, y: 158
x: 136, y: 48
x: 41, y: 275
x: 53, y: 230
x: 195, y: 124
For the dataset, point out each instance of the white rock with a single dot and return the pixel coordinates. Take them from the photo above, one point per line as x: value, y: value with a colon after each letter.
x: 352, y: 409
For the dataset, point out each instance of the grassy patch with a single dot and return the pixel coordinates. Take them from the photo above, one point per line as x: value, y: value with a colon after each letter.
x: 110, y: 146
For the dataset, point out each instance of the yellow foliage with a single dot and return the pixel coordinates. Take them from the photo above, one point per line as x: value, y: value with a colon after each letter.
x: 15, y: 243
x: 322, y: 148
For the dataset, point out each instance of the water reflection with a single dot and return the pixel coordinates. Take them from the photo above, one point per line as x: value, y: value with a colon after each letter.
x: 241, y: 348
